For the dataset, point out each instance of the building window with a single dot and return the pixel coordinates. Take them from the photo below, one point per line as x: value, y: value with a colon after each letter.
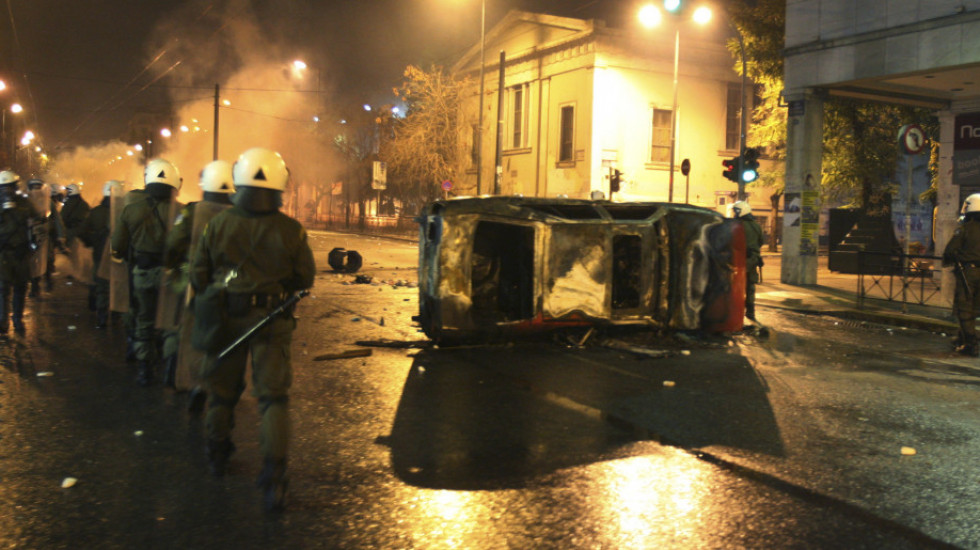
x: 733, y: 116
x: 475, y: 147
x: 518, y: 120
x: 566, y: 141
x: 660, y: 136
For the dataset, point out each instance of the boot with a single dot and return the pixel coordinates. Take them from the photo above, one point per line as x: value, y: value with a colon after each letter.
x: 750, y: 313
x: 19, y: 326
x: 218, y: 454
x: 130, y: 350
x: 170, y: 372
x: 196, y: 400
x: 145, y: 376
x: 272, y: 481
x: 101, y: 319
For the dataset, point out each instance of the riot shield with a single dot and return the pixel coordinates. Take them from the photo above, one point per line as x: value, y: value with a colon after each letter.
x: 81, y: 262
x: 170, y: 302
x: 188, y: 358
x: 118, y: 274
x: 41, y: 199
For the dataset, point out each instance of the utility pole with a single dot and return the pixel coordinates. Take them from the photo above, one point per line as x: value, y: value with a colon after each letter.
x: 498, y: 170
x: 217, y: 95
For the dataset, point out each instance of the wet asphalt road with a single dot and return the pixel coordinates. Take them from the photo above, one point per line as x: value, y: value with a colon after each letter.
x: 791, y: 441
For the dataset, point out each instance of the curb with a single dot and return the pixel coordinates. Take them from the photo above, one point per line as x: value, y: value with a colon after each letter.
x: 881, y: 317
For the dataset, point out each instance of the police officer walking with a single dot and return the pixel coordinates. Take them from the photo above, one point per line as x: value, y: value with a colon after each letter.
x: 16, y: 216
x: 260, y: 256
x: 753, y: 253
x: 217, y: 186
x: 139, y: 238
x: 74, y: 211
x: 963, y: 253
x: 94, y: 232
x: 56, y: 233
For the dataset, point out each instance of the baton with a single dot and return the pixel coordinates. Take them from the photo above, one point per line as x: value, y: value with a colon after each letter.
x: 962, y: 276
x: 290, y: 302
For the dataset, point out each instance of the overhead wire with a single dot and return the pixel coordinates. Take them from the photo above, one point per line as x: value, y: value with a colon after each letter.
x: 145, y: 68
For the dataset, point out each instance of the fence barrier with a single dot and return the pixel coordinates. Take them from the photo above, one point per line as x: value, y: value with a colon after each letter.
x: 897, y: 277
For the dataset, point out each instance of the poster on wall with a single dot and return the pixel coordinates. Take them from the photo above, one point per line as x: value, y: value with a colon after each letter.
x: 966, y: 150
x: 905, y: 201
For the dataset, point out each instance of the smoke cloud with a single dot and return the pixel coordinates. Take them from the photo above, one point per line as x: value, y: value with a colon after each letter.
x: 264, y: 101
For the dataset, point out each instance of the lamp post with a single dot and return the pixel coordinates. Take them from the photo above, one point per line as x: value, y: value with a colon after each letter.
x: 650, y: 17
x: 483, y: 66
x: 742, y: 115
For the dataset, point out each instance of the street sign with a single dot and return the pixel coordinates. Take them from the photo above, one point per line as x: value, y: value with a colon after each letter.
x: 912, y: 139
x: 379, y: 179
x: 447, y: 185
x: 686, y: 166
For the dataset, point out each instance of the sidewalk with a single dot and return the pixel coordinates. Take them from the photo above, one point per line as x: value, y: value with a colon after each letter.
x: 836, y: 294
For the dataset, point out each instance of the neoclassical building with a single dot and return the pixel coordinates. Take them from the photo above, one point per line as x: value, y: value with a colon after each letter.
x: 581, y: 99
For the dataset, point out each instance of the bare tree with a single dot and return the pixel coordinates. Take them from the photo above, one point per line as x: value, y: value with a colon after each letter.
x: 423, y: 149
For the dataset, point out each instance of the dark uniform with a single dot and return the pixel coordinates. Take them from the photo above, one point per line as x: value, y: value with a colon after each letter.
x: 963, y: 251
x: 94, y: 232
x: 139, y: 238
x: 73, y: 214
x: 56, y: 234
x: 260, y: 256
x: 753, y: 256
x: 16, y: 216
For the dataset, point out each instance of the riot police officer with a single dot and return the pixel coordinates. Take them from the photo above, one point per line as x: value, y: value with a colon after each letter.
x: 259, y: 256
x: 753, y: 253
x: 17, y: 214
x: 139, y: 238
x: 74, y: 211
x: 94, y: 232
x: 963, y: 253
x: 179, y: 356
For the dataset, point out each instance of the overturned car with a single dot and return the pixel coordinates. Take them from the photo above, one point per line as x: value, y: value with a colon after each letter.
x: 505, y: 266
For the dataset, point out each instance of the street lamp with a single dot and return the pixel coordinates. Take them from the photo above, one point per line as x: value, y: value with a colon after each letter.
x: 649, y: 17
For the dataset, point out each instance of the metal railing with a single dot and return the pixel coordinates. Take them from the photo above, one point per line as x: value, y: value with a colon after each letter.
x: 898, y: 277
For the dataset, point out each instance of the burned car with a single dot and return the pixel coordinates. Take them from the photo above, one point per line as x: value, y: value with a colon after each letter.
x: 505, y: 266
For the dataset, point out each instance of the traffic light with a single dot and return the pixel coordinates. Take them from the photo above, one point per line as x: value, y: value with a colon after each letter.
x: 672, y: 6
x: 615, y: 178
x: 750, y: 165
x: 731, y: 169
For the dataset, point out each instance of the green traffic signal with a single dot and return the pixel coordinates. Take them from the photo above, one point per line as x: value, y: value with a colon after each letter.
x: 750, y: 165
x: 673, y: 6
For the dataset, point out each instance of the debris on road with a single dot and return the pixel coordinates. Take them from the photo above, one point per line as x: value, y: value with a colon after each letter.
x: 637, y: 350
x: 398, y: 344
x: 908, y: 451
x: 344, y: 261
x: 68, y: 482
x: 343, y: 355
x: 669, y: 383
x: 45, y: 373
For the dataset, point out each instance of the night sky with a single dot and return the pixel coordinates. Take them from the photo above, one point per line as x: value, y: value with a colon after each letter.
x: 76, y: 66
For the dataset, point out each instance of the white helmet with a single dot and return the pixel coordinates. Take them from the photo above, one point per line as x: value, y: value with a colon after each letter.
x: 72, y: 189
x: 260, y: 167
x: 741, y: 208
x: 56, y: 190
x: 107, y: 188
x: 8, y: 177
x: 162, y: 171
x: 971, y: 204
x: 216, y: 177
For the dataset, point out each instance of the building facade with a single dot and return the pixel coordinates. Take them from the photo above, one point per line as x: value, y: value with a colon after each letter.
x: 913, y: 52
x: 581, y: 99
